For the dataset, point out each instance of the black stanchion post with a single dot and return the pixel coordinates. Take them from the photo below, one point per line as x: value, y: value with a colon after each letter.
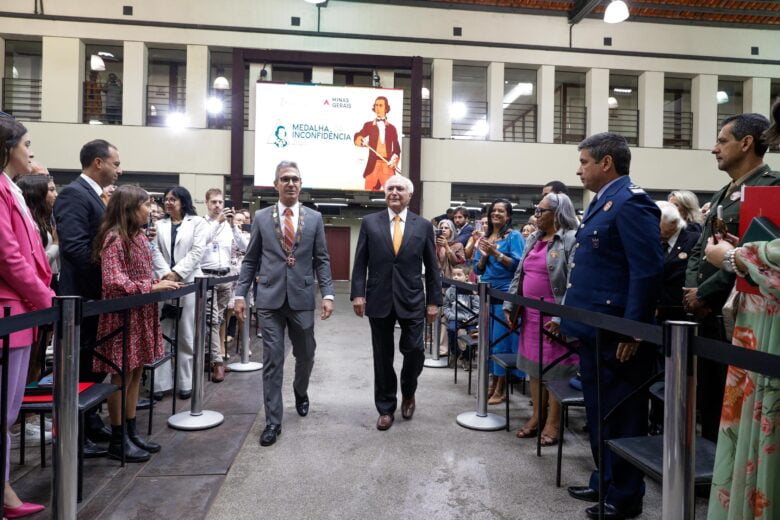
x: 66, y: 408
x: 679, y: 422
x: 197, y: 418
x: 481, y: 419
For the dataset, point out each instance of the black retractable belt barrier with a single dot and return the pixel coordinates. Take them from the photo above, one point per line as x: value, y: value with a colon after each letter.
x: 6, y: 356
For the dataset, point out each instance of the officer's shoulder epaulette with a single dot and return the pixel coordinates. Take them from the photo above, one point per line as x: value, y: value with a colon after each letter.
x: 636, y: 190
x: 771, y: 173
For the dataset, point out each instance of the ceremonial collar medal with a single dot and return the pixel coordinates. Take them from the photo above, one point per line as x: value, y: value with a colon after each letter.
x: 278, y: 231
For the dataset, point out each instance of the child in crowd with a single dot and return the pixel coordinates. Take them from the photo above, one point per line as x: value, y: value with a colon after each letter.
x: 126, y: 261
x: 468, y: 308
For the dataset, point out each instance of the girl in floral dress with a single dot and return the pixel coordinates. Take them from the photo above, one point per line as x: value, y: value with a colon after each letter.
x: 122, y: 248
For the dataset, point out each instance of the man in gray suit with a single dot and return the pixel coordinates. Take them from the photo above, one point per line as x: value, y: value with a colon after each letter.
x: 286, y: 245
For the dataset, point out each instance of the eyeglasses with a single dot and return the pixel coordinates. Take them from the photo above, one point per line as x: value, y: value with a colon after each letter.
x: 287, y: 179
x: 538, y: 211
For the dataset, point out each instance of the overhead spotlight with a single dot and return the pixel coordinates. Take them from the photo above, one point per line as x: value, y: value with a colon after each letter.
x: 96, y: 63
x: 177, y: 121
x: 316, y: 2
x: 616, y: 12
x: 214, y: 105
x: 722, y: 97
x: 458, y: 110
x: 612, y: 102
x: 221, y: 82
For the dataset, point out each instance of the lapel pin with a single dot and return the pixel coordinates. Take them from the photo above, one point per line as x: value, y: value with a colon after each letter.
x: 683, y: 255
x: 608, y: 205
x: 735, y: 196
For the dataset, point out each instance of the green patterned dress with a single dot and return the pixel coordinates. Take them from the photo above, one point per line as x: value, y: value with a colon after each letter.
x: 746, y: 478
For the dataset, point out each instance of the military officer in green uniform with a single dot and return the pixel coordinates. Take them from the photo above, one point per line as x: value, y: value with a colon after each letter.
x: 739, y: 151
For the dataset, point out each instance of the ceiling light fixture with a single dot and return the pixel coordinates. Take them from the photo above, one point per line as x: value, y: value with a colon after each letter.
x: 616, y: 12
x: 221, y: 82
x: 722, y: 97
x: 458, y: 110
x: 214, y: 105
x: 96, y: 63
x: 620, y: 90
x: 315, y: 2
x: 425, y: 93
x: 612, y: 102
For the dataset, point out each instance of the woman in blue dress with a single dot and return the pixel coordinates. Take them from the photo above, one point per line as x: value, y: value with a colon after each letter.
x: 498, y: 254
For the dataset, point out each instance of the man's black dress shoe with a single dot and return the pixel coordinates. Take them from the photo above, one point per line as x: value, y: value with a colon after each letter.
x: 301, y: 404
x: 92, y: 450
x: 613, y: 513
x: 102, y: 434
x: 185, y: 394
x: 158, y: 396
x: 143, y: 403
x: 583, y: 493
x: 269, y: 435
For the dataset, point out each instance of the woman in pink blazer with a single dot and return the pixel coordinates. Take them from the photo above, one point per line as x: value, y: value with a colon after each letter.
x: 24, y: 280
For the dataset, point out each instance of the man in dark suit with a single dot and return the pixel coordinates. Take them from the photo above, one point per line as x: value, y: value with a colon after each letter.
x: 677, y: 242
x: 618, y: 262
x: 739, y: 151
x: 382, y: 137
x: 392, y: 247
x: 286, y: 246
x: 79, y: 211
x: 461, y: 220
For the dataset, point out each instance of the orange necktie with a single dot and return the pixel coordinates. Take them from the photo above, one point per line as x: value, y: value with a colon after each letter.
x: 398, y: 235
x: 289, y: 230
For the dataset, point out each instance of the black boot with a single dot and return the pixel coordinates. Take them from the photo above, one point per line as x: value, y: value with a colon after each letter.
x: 132, y: 452
x: 132, y: 433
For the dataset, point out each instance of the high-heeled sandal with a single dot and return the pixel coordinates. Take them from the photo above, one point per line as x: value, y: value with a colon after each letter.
x: 526, y: 432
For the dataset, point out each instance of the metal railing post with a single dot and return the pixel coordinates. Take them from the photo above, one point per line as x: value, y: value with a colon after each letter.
x: 66, y: 408
x: 679, y: 422
x: 481, y: 419
x: 435, y: 361
x: 245, y: 365
x: 197, y: 418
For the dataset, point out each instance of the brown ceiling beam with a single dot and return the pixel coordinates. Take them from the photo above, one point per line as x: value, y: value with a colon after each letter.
x: 582, y: 8
x: 746, y: 11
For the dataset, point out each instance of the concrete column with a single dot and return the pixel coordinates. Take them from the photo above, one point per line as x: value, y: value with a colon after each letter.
x: 254, y: 77
x: 545, y: 101
x: 756, y: 95
x: 704, y: 103
x: 322, y: 75
x: 441, y: 79
x: 134, y: 79
x: 436, y: 199
x: 62, y: 80
x: 651, y: 109
x: 597, y: 100
x: 495, y: 89
x: 197, y: 85
x: 197, y: 184
x: 386, y: 78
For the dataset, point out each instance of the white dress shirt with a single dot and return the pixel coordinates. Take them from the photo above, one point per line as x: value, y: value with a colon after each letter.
x: 16, y: 191
x: 295, y: 212
x: 392, y: 215
x: 672, y: 241
x: 380, y: 124
x: 219, y: 248
x: 94, y: 185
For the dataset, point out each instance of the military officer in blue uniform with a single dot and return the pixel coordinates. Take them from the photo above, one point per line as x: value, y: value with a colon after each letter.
x: 615, y: 270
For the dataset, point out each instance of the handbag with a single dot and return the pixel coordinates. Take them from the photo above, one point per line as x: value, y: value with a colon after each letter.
x: 170, y: 312
x: 729, y: 312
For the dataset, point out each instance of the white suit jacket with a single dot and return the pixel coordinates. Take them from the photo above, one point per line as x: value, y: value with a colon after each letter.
x: 187, y: 251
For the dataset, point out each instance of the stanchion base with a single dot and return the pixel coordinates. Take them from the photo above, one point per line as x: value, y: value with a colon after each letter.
x: 490, y: 422
x: 436, y: 363
x: 250, y: 366
x: 187, y: 421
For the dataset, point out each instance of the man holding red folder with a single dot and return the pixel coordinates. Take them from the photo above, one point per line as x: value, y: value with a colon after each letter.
x: 739, y: 151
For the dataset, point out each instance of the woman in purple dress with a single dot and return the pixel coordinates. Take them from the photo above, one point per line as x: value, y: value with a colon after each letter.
x: 542, y: 273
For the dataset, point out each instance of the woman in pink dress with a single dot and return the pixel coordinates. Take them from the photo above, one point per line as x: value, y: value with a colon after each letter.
x: 126, y: 262
x: 24, y: 282
x: 542, y: 273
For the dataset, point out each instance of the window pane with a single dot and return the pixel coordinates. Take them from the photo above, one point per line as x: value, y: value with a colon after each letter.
x: 469, y: 102
x: 519, y: 105
x: 103, y: 69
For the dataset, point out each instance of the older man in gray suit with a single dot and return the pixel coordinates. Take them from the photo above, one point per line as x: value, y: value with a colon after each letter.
x: 286, y: 245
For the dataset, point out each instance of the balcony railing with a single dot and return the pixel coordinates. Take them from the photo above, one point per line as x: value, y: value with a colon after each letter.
x: 473, y: 125
x: 570, y: 124
x: 678, y: 129
x: 102, y: 103
x: 22, y: 98
x: 625, y: 121
x: 163, y: 100
x: 520, y: 123
x: 425, y: 124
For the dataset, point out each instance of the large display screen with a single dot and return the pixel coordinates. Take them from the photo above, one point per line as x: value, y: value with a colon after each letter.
x: 346, y: 138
